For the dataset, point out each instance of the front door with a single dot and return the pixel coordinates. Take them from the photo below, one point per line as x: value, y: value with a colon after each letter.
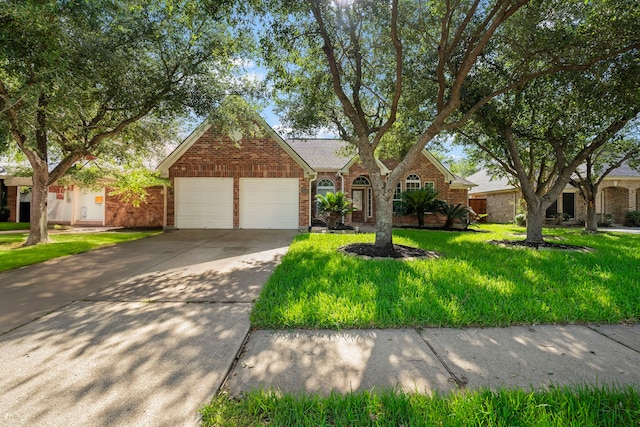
x: 358, y: 204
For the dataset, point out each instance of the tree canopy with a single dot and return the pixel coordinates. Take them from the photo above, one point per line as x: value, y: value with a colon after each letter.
x: 79, y: 78
x: 410, y: 70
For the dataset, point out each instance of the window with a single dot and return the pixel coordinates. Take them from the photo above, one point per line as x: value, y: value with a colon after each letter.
x: 361, y: 180
x: 397, y: 196
x: 324, y: 186
x: 413, y: 182
x: 429, y: 184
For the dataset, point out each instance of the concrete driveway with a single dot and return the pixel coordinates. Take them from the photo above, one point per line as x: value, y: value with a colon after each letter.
x: 141, y: 334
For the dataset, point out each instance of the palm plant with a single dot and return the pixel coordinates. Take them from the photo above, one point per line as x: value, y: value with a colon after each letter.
x: 335, y: 206
x: 417, y: 201
x: 453, y: 212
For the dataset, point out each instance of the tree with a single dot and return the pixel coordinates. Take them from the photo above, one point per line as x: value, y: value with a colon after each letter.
x: 79, y: 78
x: 417, y: 201
x: 543, y: 132
x: 598, y: 165
x: 377, y: 68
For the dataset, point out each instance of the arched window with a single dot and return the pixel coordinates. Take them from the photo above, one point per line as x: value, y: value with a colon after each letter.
x: 412, y: 182
x: 361, y: 180
x: 325, y: 186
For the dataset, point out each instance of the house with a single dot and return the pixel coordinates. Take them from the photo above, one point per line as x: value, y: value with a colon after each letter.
x: 339, y: 171
x: 72, y: 205
x: 227, y: 180
x: 500, y: 200
x: 231, y: 181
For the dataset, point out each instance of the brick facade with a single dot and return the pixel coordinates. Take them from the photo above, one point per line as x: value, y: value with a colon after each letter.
x: 12, y: 202
x: 502, y: 207
x: 149, y: 214
x: 217, y: 156
x: 423, y: 167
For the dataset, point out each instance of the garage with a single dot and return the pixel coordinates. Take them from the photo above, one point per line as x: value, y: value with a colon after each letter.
x: 269, y: 203
x: 204, y: 202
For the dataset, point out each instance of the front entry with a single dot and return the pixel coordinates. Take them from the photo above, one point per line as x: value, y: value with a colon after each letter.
x: 358, y: 197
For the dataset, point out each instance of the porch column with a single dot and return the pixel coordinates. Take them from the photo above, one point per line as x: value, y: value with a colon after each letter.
x: 17, y: 207
x: 632, y: 199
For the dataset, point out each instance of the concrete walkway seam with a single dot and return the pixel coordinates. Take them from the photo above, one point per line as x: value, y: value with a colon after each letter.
x: 613, y: 339
x: 460, y: 382
x: 234, y: 363
x: 43, y: 315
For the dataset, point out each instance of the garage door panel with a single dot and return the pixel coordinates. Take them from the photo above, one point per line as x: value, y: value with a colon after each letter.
x: 269, y: 203
x: 204, y: 202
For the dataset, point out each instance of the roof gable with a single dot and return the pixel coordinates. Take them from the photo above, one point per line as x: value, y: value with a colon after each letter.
x: 172, y: 158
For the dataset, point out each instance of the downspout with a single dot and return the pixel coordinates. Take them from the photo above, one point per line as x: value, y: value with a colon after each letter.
x: 310, y: 201
x: 339, y: 174
x: 17, y: 203
x: 164, y: 207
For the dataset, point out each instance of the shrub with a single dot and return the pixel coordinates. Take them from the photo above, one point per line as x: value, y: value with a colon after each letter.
x: 632, y: 219
x: 605, y: 220
x: 417, y: 201
x: 520, y: 219
x: 334, y: 206
x: 453, y: 212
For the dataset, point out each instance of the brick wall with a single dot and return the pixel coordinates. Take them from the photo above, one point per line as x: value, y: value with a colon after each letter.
x: 501, y: 207
x: 427, y: 172
x: 217, y: 156
x: 148, y: 214
x: 616, y: 202
x: 12, y: 202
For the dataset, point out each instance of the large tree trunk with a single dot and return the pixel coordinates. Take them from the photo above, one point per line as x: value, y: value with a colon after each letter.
x: 591, y: 224
x: 535, y: 221
x: 384, y: 222
x: 38, y: 232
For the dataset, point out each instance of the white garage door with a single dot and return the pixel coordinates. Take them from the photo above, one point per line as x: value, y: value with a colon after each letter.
x: 204, y: 202
x: 269, y: 203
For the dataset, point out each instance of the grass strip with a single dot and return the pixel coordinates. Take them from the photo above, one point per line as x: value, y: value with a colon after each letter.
x: 12, y: 255
x: 557, y: 406
x: 474, y: 283
x: 10, y: 226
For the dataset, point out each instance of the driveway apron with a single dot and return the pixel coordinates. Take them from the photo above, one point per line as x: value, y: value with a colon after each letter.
x: 142, y: 333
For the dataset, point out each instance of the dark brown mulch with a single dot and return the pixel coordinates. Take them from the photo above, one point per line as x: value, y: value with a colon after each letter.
x: 397, y: 252
x: 543, y: 245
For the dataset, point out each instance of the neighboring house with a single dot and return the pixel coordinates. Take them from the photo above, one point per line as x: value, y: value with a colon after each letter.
x: 496, y: 197
x: 267, y: 182
x: 74, y: 206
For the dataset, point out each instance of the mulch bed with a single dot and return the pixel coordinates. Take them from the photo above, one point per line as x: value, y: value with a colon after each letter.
x: 543, y: 245
x: 398, y: 252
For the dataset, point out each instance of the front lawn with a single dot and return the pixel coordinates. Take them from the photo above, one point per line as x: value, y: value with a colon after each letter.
x: 579, y: 406
x: 474, y: 283
x: 14, y: 256
x: 10, y: 226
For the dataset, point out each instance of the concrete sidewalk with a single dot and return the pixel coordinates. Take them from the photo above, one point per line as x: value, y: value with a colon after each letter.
x: 438, y: 359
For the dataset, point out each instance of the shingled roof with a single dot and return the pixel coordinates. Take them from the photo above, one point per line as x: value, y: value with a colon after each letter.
x: 322, y: 154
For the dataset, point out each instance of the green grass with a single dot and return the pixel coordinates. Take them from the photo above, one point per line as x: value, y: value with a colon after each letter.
x: 562, y: 406
x: 10, y: 226
x: 13, y: 256
x: 474, y: 283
